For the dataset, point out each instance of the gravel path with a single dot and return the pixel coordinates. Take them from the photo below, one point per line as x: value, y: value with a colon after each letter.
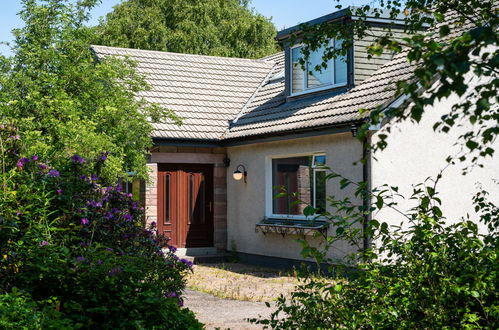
x: 220, y: 313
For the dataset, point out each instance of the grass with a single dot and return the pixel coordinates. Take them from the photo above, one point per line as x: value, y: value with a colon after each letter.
x: 242, y: 282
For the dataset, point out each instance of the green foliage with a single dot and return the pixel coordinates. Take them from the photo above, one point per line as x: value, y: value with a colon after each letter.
x: 216, y: 27
x: 449, y: 42
x: 79, y: 250
x: 65, y: 101
x: 427, y: 274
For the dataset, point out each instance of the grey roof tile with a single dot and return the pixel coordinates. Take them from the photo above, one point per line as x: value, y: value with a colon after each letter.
x: 206, y: 91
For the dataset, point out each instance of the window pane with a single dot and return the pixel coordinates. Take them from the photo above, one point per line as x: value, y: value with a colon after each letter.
x: 297, y: 72
x: 323, y: 77
x: 292, y: 176
x: 340, y: 66
x: 320, y: 191
x: 319, y: 160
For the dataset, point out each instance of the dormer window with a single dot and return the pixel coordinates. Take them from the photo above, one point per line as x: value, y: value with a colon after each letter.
x: 310, y: 79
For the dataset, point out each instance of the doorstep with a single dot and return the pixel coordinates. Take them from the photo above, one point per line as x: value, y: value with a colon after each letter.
x: 202, y: 255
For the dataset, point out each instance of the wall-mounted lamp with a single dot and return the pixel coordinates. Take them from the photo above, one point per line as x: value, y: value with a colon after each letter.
x: 238, y: 175
x: 226, y: 161
x: 354, y: 129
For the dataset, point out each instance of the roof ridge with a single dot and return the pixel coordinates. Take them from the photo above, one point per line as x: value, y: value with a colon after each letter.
x: 185, y: 54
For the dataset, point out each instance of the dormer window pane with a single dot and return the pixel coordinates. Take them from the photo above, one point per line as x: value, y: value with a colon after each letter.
x: 340, y: 65
x: 323, y: 76
x: 297, y: 74
x: 334, y: 75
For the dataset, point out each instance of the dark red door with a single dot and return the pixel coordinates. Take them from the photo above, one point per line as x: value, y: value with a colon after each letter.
x: 185, y: 204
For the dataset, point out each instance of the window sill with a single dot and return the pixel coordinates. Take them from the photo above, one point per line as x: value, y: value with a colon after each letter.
x: 291, y: 227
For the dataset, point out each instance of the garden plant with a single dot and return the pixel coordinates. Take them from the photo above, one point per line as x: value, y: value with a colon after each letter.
x: 432, y: 272
x: 75, y: 252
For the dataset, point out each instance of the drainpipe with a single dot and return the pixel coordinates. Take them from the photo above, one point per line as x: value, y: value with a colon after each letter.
x: 367, y: 198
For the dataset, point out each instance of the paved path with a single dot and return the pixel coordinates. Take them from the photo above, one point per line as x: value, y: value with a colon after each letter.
x: 224, y: 313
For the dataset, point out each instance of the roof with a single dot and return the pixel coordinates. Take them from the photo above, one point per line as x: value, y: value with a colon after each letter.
x: 205, y: 91
x: 270, y: 113
x: 382, y: 16
x: 228, y: 98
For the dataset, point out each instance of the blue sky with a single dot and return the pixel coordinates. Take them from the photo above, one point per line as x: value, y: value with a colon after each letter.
x: 284, y: 13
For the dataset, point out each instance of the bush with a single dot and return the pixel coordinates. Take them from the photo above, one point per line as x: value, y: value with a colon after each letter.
x: 432, y: 275
x: 67, y: 236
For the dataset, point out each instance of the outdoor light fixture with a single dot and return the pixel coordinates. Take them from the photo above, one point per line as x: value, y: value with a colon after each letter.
x: 354, y: 130
x: 238, y: 175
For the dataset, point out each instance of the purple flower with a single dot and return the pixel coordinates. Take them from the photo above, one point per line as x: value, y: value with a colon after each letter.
x: 53, y: 173
x: 103, y: 156
x: 84, y: 221
x: 100, y: 262
x: 80, y: 259
x: 42, y: 166
x: 84, y: 244
x: 34, y: 158
x: 109, y: 249
x: 23, y: 161
x: 171, y: 294
x: 94, y: 203
x: 94, y: 177
x: 181, y: 302
x: 128, y: 217
x: 43, y: 243
x: 77, y: 159
x: 172, y: 249
x: 114, y: 271
x: 153, y: 224
x: 59, y: 191
x: 186, y: 262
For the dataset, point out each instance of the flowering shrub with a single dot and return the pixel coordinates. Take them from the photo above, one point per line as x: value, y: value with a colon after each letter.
x: 68, y: 237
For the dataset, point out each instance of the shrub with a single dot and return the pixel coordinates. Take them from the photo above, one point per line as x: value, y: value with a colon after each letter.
x: 67, y: 236
x: 428, y: 276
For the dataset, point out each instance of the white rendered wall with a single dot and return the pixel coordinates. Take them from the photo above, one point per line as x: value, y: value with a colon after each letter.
x: 246, y: 202
x: 415, y: 152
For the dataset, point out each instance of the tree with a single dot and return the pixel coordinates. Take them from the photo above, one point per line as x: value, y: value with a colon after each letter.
x: 446, y: 41
x: 64, y: 101
x: 430, y: 273
x: 217, y: 27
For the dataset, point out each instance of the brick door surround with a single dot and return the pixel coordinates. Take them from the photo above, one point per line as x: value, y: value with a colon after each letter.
x: 219, y: 182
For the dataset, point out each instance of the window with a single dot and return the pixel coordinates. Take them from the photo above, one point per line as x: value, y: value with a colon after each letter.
x: 298, y: 182
x: 334, y: 75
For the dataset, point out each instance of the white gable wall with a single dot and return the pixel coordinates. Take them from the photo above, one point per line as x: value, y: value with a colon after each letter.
x: 415, y: 152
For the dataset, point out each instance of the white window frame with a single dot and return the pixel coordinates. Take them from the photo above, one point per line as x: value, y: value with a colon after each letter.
x: 305, y: 75
x: 269, y: 194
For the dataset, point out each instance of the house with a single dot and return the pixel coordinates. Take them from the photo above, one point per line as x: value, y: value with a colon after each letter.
x: 252, y: 126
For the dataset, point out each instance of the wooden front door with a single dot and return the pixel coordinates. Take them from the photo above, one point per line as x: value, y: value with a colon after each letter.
x: 185, y: 204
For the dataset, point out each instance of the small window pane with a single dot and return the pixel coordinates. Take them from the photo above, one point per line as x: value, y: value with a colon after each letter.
x: 297, y: 75
x: 319, y: 160
x: 166, y: 204
x: 340, y: 66
x: 320, y: 191
x: 192, y: 202
x: 322, y: 77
